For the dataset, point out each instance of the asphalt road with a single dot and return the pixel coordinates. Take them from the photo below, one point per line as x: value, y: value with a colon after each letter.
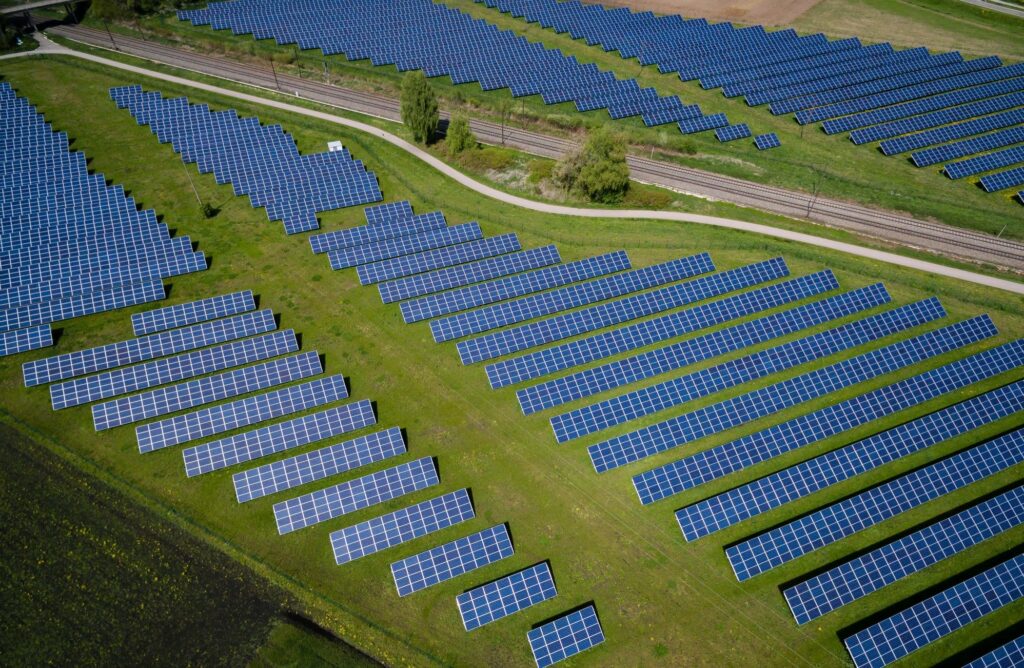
x: 996, y: 7
x: 526, y: 204
x: 891, y: 227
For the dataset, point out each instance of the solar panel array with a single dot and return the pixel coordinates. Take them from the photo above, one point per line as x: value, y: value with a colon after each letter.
x: 353, y: 495
x: 190, y: 313
x: 439, y: 258
x: 1005, y: 656
x: 839, y: 520
x: 318, y: 464
x: 368, y: 234
x: 767, y: 141
x: 403, y: 33
x: 707, y: 381
x: 257, y: 160
x: 506, y: 596
x: 234, y: 415
x: 70, y: 245
x: 715, y: 418
x: 451, y: 560
x: 732, y: 132
x: 711, y: 464
x: 565, y: 637
x: 875, y: 90
x: 985, y: 163
x: 901, y: 558
x: 351, y: 256
x: 401, y: 526
x: 938, y: 616
x: 277, y: 437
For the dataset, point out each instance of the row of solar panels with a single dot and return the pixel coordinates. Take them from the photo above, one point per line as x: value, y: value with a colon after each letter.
x: 875, y: 91
x: 70, y: 245
x: 422, y: 35
x: 558, y: 301
x: 259, y: 161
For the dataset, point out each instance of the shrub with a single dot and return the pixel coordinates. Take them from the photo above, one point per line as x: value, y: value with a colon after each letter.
x: 598, y: 171
x: 460, y: 138
x: 419, y: 107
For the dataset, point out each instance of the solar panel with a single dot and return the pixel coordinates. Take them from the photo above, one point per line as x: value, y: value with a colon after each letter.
x: 711, y: 464
x: 170, y: 369
x: 510, y: 594
x: 600, y: 346
x: 726, y: 414
x: 732, y: 132
x: 513, y: 286
x: 417, y: 263
x: 901, y: 558
x: 984, y: 163
x: 401, y: 526
x: 1005, y: 656
x: 343, y: 258
x: 736, y: 505
x: 23, y: 340
x: 113, y: 355
x: 969, y: 146
x: 1008, y: 179
x: 243, y: 412
x: 652, y: 363
x: 368, y: 234
x: 767, y: 141
x: 938, y: 616
x: 278, y: 437
x: 839, y: 520
x: 451, y: 560
x: 466, y: 274
x: 353, y: 495
x: 318, y: 464
x: 180, y: 315
x: 565, y: 637
x: 116, y: 297
x: 628, y: 308
x: 380, y: 214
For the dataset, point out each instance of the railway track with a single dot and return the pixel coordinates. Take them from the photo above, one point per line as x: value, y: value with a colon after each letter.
x: 890, y: 227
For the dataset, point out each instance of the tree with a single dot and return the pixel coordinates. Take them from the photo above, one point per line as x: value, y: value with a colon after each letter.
x: 598, y: 171
x: 459, y: 138
x: 419, y: 107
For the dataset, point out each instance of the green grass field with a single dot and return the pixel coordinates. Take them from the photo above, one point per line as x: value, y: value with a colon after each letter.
x: 808, y: 160
x: 661, y: 601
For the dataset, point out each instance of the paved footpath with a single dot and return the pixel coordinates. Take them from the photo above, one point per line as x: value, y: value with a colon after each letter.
x: 48, y: 47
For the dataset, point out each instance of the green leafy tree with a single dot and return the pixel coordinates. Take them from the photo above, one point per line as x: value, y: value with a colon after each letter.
x: 598, y: 171
x: 419, y: 107
x: 459, y: 138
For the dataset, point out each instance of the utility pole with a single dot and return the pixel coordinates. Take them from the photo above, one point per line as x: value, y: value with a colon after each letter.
x: 814, y: 195
x: 110, y: 35
x: 189, y: 177
x: 277, y: 84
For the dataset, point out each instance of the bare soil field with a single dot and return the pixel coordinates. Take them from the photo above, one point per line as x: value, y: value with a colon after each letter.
x: 768, y: 12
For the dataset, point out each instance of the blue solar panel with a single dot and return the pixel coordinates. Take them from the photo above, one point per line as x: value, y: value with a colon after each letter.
x: 839, y: 520
x: 901, y: 558
x: 510, y: 594
x: 451, y: 560
x: 343, y: 258
x: 600, y: 346
x: 401, y: 526
x: 732, y: 132
x: 546, y: 303
x: 180, y: 315
x: 769, y: 400
x: 513, y: 286
x: 1008, y: 179
x: 113, y: 355
x: 1005, y: 656
x: 565, y: 637
x: 318, y: 464
x: 408, y: 265
x: 367, y: 234
x: 652, y: 363
x: 353, y: 495
x: 767, y: 141
x: 278, y: 437
x: 614, y: 312
x: 969, y: 147
x: 945, y: 133
x: 381, y: 214
x: 938, y: 616
x: 218, y: 419
x: 746, y: 451
x: 116, y: 297
x: 984, y: 163
x: 23, y: 340
x: 171, y: 369
x: 466, y: 274
x: 678, y: 391
x: 710, y: 515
